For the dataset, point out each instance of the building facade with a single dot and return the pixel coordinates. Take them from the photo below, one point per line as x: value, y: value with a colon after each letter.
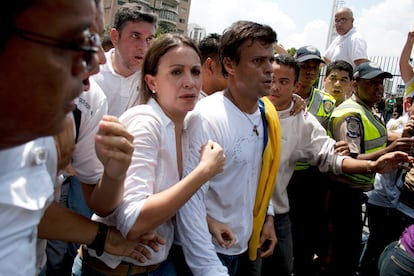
x: 172, y: 14
x: 196, y: 32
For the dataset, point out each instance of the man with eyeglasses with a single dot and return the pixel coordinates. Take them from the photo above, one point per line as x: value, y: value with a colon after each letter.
x: 132, y: 33
x: 98, y: 180
x: 49, y: 53
x: 349, y: 45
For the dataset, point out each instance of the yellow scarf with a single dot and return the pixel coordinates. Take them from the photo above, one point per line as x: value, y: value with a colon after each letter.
x: 270, y: 166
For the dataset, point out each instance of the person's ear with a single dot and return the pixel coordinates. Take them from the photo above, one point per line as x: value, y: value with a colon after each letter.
x: 297, y: 87
x: 114, y: 34
x: 150, y: 81
x: 210, y: 65
x: 354, y: 86
x: 229, y: 65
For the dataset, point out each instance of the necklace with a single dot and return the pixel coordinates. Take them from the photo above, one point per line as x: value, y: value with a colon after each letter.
x: 255, y: 126
x: 255, y: 130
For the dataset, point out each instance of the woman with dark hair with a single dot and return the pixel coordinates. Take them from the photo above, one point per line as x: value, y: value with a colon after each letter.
x: 155, y: 186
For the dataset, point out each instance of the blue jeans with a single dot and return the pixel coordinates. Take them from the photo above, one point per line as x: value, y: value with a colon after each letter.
x: 229, y: 261
x: 395, y: 261
x: 385, y: 226
x: 247, y: 267
x: 182, y: 269
x: 281, y: 261
x: 166, y: 268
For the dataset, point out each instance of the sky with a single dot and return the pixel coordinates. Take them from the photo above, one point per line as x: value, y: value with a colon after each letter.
x: 383, y: 23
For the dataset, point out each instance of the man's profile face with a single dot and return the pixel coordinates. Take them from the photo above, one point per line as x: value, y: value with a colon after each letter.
x: 43, y: 80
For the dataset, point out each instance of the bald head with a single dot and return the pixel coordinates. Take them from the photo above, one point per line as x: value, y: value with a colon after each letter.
x: 345, y: 11
x: 344, y: 20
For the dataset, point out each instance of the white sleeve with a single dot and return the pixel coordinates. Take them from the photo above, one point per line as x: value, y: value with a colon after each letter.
x: 318, y: 149
x: 140, y: 180
x: 94, y: 106
x: 192, y: 228
x: 358, y: 49
x: 199, y: 251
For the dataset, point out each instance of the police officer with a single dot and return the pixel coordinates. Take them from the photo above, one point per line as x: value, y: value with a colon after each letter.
x: 354, y: 122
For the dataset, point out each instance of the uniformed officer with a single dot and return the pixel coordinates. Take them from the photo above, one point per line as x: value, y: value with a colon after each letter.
x: 354, y: 122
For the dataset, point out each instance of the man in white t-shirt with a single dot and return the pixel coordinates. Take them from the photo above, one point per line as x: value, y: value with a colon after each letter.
x: 349, y: 45
x: 237, y: 122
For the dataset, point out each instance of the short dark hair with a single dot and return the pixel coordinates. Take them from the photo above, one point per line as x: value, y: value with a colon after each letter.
x: 9, y: 14
x: 209, y: 47
x: 240, y: 32
x: 290, y: 61
x: 131, y: 12
x: 340, y: 65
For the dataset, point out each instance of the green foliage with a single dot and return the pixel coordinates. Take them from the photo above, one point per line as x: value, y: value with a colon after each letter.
x: 291, y: 51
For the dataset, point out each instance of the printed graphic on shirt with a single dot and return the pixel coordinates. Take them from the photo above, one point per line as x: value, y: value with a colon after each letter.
x: 353, y: 127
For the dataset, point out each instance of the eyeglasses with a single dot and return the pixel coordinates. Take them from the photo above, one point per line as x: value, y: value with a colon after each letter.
x: 341, y: 20
x: 89, y: 43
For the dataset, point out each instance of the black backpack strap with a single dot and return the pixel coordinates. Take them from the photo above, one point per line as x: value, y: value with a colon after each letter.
x: 77, y: 114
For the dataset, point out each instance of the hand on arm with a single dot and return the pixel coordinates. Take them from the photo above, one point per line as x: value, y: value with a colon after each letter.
x: 161, y: 206
x: 60, y: 223
x: 299, y: 104
x: 342, y: 148
x: 116, y: 244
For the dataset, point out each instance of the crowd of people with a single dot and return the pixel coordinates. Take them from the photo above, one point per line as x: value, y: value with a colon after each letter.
x: 166, y: 156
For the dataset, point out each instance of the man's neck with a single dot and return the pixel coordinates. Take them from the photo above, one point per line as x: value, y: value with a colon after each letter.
x: 118, y: 68
x: 305, y: 92
x: 368, y: 105
x: 242, y: 102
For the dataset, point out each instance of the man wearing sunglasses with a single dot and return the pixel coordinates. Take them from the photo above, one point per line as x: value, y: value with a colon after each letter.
x: 49, y: 52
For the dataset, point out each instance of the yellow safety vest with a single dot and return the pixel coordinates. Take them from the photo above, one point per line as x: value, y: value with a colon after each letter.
x: 375, y: 133
x: 321, y: 105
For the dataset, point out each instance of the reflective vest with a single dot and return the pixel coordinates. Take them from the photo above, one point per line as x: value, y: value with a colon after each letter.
x: 374, y: 136
x: 321, y: 105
